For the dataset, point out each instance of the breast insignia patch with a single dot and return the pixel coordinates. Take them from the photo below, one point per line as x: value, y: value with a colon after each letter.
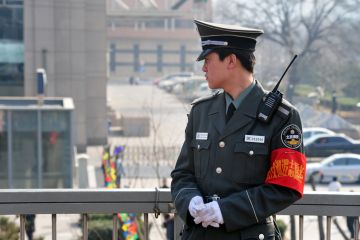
x: 291, y: 136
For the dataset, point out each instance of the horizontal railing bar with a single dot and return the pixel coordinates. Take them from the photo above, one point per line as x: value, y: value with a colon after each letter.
x: 145, y: 195
x: 82, y: 195
x: 67, y: 201
x: 69, y: 208
x: 321, y: 210
x: 330, y: 198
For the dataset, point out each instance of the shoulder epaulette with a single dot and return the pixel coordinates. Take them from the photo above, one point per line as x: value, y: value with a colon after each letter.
x: 284, y: 108
x: 205, y: 98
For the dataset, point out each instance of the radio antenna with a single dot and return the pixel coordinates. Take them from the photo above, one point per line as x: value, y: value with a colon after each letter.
x: 277, y: 85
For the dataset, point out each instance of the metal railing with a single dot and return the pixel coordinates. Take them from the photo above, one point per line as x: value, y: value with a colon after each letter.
x: 148, y: 201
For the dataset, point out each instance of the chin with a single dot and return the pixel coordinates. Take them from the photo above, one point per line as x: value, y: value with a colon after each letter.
x: 212, y: 86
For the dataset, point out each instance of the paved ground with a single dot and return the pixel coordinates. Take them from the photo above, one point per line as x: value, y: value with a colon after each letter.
x: 168, y: 123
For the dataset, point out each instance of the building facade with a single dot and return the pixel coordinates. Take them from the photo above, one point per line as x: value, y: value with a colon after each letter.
x: 82, y: 43
x: 68, y: 39
x: 149, y: 38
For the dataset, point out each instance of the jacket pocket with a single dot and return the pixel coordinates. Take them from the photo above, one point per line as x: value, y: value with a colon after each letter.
x: 250, y: 163
x: 201, y: 151
x: 259, y: 231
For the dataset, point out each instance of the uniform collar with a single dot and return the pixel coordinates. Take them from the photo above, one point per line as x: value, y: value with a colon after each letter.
x: 240, y: 98
x: 245, y: 114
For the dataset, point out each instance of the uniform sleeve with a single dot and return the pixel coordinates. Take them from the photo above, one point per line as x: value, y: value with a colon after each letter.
x: 287, y: 159
x: 283, y: 185
x: 183, y: 185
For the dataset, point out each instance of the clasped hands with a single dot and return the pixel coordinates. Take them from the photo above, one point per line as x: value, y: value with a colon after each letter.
x: 206, y: 214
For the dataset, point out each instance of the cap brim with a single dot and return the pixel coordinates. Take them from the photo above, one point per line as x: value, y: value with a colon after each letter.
x: 203, y: 54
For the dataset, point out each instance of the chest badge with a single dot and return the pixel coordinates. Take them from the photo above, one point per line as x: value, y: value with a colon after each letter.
x: 254, y: 138
x: 202, y: 136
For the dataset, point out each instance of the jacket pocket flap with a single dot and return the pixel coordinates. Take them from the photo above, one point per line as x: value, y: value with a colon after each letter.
x: 200, y: 144
x: 253, y: 149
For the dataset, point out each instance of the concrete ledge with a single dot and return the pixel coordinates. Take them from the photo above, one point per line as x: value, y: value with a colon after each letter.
x: 96, y: 141
x: 135, y: 125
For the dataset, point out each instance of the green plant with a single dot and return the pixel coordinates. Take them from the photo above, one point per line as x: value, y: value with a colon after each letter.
x: 303, y: 90
x: 101, y: 226
x: 8, y: 230
x: 282, y: 227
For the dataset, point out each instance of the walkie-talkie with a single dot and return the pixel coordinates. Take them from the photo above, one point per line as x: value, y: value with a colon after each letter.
x: 271, y: 101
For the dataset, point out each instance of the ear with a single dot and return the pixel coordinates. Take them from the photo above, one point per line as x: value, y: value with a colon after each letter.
x: 232, y: 61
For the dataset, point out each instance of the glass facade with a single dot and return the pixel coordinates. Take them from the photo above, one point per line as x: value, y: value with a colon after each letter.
x: 24, y: 149
x: 35, y: 147
x: 56, y: 149
x: 11, y: 48
x: 3, y: 151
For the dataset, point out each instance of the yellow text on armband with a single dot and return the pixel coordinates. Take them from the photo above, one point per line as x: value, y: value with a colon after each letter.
x: 286, y: 168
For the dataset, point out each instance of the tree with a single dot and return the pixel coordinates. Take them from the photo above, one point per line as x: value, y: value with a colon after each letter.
x: 303, y: 27
x: 8, y: 229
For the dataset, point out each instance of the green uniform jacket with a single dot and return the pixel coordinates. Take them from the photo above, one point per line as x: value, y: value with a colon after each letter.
x: 216, y: 159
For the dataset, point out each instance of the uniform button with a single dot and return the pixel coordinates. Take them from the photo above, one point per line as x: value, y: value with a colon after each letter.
x: 251, y: 152
x: 222, y: 144
x: 261, y: 236
x: 218, y: 170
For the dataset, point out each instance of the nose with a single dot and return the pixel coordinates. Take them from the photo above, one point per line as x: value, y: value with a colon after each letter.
x: 204, y: 67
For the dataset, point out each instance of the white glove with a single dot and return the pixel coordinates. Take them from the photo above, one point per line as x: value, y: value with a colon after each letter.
x: 209, y: 215
x: 213, y: 224
x: 196, y: 205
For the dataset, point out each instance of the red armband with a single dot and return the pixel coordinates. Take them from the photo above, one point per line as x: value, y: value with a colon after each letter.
x: 287, y: 169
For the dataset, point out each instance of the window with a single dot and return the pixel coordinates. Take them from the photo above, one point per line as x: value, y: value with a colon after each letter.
x: 339, y: 162
x: 322, y: 141
x: 14, y: 2
x: 307, y: 134
x: 11, y: 48
x: 338, y: 140
x: 353, y: 161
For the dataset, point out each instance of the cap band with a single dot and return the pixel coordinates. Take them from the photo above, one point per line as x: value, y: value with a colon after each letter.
x: 216, y: 43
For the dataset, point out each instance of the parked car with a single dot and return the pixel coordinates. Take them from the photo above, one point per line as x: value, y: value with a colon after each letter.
x: 324, y: 145
x: 312, y: 131
x: 192, y: 88
x: 345, y: 166
x: 167, y: 82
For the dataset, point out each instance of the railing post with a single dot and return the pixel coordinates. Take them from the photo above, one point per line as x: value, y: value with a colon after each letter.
x: 146, y: 226
x: 115, y: 227
x: 356, y: 228
x: 178, y: 226
x: 85, y: 226
x: 301, y: 227
x: 22, y: 227
x: 53, y: 218
x: 328, y: 228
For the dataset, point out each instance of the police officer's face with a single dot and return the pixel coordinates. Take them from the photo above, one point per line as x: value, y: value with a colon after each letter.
x: 215, y: 71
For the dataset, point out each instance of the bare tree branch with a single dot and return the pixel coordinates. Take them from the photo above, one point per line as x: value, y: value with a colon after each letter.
x: 295, y: 24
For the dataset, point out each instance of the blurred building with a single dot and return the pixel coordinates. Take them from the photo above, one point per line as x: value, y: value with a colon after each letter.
x: 68, y: 39
x: 82, y: 42
x: 149, y: 38
x: 36, y: 142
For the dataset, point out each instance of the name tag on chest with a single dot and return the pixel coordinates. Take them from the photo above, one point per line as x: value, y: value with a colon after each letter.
x: 254, y: 138
x: 201, y: 136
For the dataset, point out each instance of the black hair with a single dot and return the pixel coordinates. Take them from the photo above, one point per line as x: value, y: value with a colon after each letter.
x: 247, y: 59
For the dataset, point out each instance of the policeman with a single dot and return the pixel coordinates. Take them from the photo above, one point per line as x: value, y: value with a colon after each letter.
x: 234, y: 172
